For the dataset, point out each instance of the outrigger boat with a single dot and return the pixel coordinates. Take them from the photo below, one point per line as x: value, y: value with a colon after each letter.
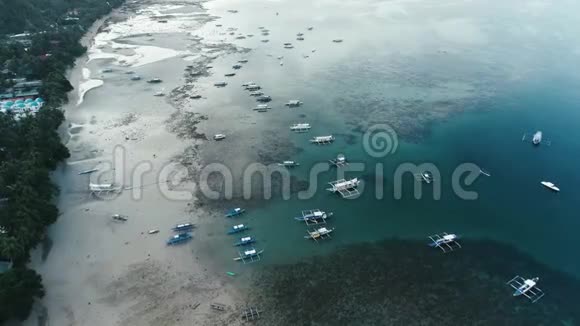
x: 253, y: 87
x: 249, y: 256
x: 339, y: 161
x: 526, y: 287
x: 220, y: 84
x: 310, y: 28
x: 262, y: 108
x: 550, y: 186
x: 238, y: 228
x: 337, y: 40
x: 179, y: 238
x: 248, y: 84
x: 289, y: 164
x: 237, y: 66
x: 244, y: 60
x: 244, y: 241
x: 264, y: 98
x: 300, y: 38
x: 322, y: 140
x: 183, y: 227
x: 256, y: 94
x: 300, y: 34
x: 346, y: 188
x: 300, y: 127
x: 318, y: 234
x: 231, y: 74
x: 444, y: 241
x: 427, y: 177
x: 154, y: 81
x: 313, y: 216
x: 235, y: 212
x: 293, y: 103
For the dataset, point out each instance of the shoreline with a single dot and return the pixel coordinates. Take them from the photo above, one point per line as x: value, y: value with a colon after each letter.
x: 175, y: 285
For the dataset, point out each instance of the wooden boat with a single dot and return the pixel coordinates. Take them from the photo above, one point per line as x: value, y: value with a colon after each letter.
x: 262, y: 108
x: 238, y: 228
x: 183, y: 227
x: 231, y: 74
x: 256, y: 94
x: 244, y: 60
x: 245, y: 241
x: 337, y: 40
x: 235, y: 212
x: 300, y: 127
x: 253, y: 87
x: 179, y: 238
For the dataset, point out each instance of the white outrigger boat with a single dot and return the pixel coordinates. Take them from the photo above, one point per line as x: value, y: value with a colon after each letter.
x: 444, y: 241
x: 319, y: 234
x: 262, y: 108
x: 339, y: 161
x: 289, y: 164
x: 550, y: 186
x: 256, y: 93
x: 300, y: 127
x: 219, y: 137
x: 526, y: 287
x: 253, y: 87
x: 427, y: 177
x: 293, y: 103
x: 320, y: 140
x: 249, y: 256
x: 314, y: 216
x: 346, y: 188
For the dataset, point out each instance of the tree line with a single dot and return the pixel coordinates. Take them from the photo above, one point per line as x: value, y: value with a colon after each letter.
x: 30, y: 148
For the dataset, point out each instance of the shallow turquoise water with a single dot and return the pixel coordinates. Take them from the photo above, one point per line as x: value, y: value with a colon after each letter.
x: 495, y: 94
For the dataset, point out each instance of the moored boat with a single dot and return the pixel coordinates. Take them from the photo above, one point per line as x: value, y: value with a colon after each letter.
x: 313, y: 215
x: 249, y: 255
x: 263, y: 98
x: 550, y: 186
x: 319, y: 233
x: 289, y: 164
x: 293, y: 103
x: 235, y: 212
x: 154, y: 81
x: 179, y: 238
x: 300, y: 127
x: 219, y: 137
x: 245, y: 241
x: 220, y: 84
x: 322, y: 139
x: 238, y: 228
x: 183, y: 227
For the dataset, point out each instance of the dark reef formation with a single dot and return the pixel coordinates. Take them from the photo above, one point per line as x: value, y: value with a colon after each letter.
x: 407, y: 283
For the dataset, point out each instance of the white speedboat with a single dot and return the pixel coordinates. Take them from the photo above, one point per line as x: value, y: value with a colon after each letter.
x: 550, y: 186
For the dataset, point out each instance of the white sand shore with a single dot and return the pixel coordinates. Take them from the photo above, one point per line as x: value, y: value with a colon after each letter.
x: 102, y: 272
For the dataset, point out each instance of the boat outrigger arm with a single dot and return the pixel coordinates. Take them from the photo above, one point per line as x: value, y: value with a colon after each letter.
x: 526, y: 287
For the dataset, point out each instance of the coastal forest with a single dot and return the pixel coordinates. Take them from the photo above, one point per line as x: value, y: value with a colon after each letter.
x: 47, y: 44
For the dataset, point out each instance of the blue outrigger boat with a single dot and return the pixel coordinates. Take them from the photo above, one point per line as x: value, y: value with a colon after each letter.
x: 235, y: 212
x: 238, y: 228
x: 244, y: 241
x: 179, y: 238
x: 183, y: 227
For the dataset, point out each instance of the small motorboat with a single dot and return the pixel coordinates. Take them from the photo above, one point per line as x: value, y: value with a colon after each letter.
x: 220, y: 84
x: 256, y: 94
x: 179, y: 238
x: 153, y: 231
x: 243, y: 60
x: 245, y: 241
x: 135, y: 77
x: 231, y: 74
x: 219, y: 137
x: 238, y: 228
x: 264, y: 98
x: 235, y: 212
x: 154, y: 81
x: 289, y: 164
x: 237, y: 66
x: 300, y: 38
x: 550, y: 186
x: 183, y: 227
x: 537, y: 138
x: 159, y: 94
x: 337, y: 40
x: 526, y: 286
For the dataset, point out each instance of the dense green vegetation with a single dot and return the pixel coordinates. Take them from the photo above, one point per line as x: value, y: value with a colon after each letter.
x: 30, y: 148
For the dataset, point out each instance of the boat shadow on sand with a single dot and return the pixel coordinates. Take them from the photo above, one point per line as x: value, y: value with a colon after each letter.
x: 407, y: 283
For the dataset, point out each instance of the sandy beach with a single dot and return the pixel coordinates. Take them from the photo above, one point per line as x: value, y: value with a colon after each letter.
x: 98, y: 271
